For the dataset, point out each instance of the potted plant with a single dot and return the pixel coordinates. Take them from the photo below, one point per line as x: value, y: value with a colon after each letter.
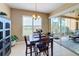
x: 13, y: 40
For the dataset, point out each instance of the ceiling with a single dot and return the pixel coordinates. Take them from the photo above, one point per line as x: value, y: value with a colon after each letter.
x: 74, y: 13
x: 41, y: 7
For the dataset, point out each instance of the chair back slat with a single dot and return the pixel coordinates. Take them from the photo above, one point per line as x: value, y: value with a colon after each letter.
x: 45, y: 40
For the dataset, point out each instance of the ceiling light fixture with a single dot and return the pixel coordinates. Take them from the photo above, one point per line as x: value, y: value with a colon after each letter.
x: 35, y: 16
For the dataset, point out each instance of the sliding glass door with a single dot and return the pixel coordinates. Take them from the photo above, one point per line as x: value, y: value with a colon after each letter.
x: 64, y: 28
x: 63, y: 25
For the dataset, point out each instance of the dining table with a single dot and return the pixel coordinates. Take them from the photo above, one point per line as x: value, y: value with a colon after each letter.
x: 35, y: 39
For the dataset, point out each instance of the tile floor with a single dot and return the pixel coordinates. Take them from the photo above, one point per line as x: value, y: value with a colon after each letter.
x: 19, y: 50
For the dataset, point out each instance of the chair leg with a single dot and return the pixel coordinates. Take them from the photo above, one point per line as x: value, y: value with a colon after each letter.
x: 26, y: 51
x: 47, y: 52
x: 43, y: 53
x: 30, y: 50
x: 39, y: 53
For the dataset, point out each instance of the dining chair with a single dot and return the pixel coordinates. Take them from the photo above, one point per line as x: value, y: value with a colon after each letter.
x: 28, y: 45
x: 43, y: 47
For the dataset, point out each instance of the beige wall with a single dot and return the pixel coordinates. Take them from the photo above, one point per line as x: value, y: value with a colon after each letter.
x: 5, y: 8
x: 16, y: 17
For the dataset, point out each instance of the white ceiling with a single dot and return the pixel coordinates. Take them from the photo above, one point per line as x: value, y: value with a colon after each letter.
x: 73, y: 13
x: 41, y: 7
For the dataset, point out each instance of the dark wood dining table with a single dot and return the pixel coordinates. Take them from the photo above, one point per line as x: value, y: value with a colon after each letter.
x: 35, y: 39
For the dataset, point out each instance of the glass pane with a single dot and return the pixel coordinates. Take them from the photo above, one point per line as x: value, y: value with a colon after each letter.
x: 1, y: 35
x: 27, y: 20
x: 37, y: 22
x: 62, y: 26
x: 7, y: 49
x: 27, y: 25
x: 27, y: 30
x: 55, y: 25
x: 7, y: 25
x: 1, y: 25
x: 7, y: 32
x: 1, y: 44
x: 7, y: 40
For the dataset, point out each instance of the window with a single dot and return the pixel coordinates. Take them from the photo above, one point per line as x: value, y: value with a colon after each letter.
x: 30, y: 25
x: 55, y: 25
x: 63, y: 25
x: 37, y: 24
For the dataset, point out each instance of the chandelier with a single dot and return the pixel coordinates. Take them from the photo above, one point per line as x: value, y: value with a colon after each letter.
x: 35, y: 16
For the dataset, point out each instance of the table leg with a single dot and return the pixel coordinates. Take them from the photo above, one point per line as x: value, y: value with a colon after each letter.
x: 52, y: 47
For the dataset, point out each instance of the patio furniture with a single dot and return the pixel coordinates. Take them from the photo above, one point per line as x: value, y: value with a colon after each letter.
x: 75, y: 37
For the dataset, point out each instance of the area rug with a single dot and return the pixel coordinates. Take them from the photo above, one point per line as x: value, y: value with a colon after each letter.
x: 69, y: 44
